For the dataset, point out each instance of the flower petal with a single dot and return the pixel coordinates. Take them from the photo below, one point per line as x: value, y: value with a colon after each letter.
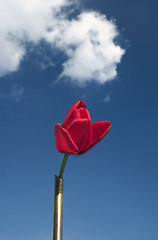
x: 64, y: 142
x: 72, y: 114
x: 79, y: 131
x: 98, y: 131
x: 84, y: 114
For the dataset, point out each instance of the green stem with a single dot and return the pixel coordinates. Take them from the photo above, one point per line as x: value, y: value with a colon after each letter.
x: 63, y: 166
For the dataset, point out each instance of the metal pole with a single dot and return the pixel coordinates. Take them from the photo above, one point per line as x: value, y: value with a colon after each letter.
x: 58, y: 209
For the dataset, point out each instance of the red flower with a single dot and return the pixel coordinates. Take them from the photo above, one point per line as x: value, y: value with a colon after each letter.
x: 77, y: 135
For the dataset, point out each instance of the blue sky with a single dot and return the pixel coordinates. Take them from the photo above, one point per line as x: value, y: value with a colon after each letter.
x: 49, y: 60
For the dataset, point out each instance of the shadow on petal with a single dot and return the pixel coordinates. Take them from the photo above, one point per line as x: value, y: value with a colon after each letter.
x: 64, y: 142
x: 99, y: 130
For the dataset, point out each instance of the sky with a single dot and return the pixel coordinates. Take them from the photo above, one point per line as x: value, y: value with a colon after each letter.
x: 52, y: 54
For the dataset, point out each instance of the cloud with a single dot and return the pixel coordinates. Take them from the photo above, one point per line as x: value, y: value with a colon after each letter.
x: 21, y: 22
x: 107, y: 98
x: 87, y: 40
x: 15, y: 93
x: 90, y: 47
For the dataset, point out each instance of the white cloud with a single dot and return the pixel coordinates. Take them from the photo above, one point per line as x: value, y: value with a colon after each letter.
x: 11, y: 53
x: 92, y: 52
x: 15, y: 93
x: 88, y: 40
x: 22, y: 21
x: 107, y: 98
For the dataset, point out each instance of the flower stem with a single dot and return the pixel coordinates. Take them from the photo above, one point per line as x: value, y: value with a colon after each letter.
x: 63, y: 166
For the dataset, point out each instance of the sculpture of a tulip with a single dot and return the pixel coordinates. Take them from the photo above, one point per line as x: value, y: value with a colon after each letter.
x: 76, y: 136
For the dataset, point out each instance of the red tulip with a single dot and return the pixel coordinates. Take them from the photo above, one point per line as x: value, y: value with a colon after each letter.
x: 77, y: 134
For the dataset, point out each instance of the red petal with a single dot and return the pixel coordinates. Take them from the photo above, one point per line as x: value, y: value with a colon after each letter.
x: 78, y: 105
x: 84, y: 114
x: 98, y: 131
x: 79, y: 131
x: 76, y: 114
x: 64, y: 142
